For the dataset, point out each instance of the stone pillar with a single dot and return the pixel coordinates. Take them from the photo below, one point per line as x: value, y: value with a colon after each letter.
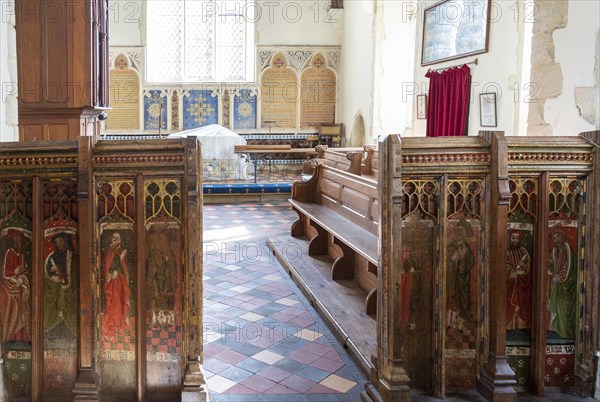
x: 546, y: 74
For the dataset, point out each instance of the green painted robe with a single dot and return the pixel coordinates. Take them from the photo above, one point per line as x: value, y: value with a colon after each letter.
x: 563, y: 295
x: 60, y: 291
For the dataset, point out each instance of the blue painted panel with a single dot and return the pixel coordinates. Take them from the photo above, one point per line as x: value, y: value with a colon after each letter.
x: 152, y: 111
x: 244, y: 110
x: 200, y: 109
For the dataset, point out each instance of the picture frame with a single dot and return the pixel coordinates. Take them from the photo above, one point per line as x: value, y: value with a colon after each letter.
x: 422, y: 108
x: 455, y: 28
x: 487, y: 109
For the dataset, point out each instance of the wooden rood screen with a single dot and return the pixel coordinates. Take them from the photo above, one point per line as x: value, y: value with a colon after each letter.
x: 101, y: 270
x: 488, y: 255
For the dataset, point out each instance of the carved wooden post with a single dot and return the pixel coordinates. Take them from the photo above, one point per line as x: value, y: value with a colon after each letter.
x: 85, y: 387
x: 2, y: 393
x: 194, y: 385
x: 389, y: 377
x: 497, y: 379
x: 37, y: 301
x: 590, y: 325
x: 539, y: 327
x: 140, y: 338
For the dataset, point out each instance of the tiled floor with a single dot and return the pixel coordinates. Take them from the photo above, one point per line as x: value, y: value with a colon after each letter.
x: 263, y: 341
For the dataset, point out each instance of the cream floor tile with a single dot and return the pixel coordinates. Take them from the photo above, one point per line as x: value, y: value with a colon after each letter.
x: 240, y: 289
x: 267, y: 357
x: 219, y: 384
x: 338, y: 383
x: 308, y: 334
x: 252, y: 317
x: 287, y: 301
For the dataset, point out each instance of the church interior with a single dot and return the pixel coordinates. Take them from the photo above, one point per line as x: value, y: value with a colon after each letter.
x: 336, y: 200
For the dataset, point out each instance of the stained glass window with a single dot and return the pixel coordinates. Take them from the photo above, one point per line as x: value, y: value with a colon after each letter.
x: 199, y: 40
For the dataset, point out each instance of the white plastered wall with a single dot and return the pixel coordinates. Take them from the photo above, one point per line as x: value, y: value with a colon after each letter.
x: 497, y: 71
x: 576, y: 50
x: 356, y: 89
x: 298, y: 23
x: 395, y: 71
x: 125, y: 18
x: 8, y: 74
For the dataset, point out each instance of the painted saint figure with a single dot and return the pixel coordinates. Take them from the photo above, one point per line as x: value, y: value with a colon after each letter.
x: 15, y: 291
x: 562, y: 267
x: 518, y: 285
x: 162, y: 272
x: 461, y: 261
x: 411, y: 287
x: 116, y: 288
x: 60, y: 287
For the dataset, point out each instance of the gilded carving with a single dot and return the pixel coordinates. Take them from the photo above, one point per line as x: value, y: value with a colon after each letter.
x: 445, y: 158
x: 533, y: 157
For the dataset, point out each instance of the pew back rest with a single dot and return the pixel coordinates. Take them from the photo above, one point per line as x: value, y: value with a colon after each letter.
x: 353, y: 197
x: 370, y: 164
x: 347, y: 159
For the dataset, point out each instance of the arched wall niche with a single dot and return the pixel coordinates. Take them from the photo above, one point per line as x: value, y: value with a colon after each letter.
x: 357, y: 135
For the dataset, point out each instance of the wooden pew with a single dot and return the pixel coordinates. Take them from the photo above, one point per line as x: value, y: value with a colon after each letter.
x: 370, y: 164
x: 349, y: 161
x: 338, y: 211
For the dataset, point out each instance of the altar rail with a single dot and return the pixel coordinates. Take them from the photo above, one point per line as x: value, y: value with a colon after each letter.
x: 102, y: 255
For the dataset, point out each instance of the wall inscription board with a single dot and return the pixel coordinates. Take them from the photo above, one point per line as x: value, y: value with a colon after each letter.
x: 279, y: 94
x: 318, y: 88
x: 124, y: 101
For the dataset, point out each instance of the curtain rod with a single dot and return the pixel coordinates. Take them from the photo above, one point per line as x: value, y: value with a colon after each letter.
x: 457, y: 65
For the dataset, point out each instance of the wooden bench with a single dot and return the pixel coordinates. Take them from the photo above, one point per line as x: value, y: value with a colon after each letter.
x: 347, y: 159
x: 272, y: 149
x: 338, y: 211
x: 370, y: 165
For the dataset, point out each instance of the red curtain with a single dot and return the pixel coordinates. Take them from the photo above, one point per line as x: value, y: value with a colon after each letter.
x: 448, y: 102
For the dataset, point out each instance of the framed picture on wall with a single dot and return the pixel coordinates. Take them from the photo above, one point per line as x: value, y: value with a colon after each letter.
x: 421, y: 106
x: 487, y: 109
x: 455, y: 28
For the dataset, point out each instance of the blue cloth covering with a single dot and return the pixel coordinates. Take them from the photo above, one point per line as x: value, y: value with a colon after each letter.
x: 250, y: 188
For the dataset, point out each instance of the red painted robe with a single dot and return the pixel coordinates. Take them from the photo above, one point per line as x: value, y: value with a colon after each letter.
x: 518, y: 289
x: 117, y: 293
x: 15, y: 312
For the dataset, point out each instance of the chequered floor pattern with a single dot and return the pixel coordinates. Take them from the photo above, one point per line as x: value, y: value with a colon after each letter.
x: 263, y: 341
